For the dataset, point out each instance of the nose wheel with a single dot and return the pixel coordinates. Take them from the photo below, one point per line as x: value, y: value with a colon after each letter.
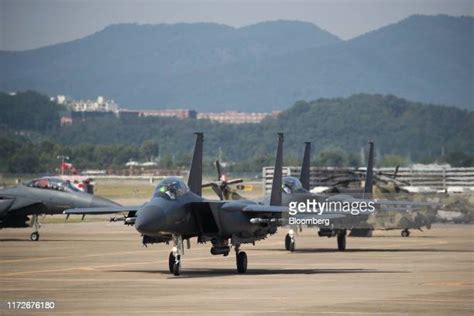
x: 36, y: 225
x: 34, y: 236
x: 174, y: 259
x: 241, y: 260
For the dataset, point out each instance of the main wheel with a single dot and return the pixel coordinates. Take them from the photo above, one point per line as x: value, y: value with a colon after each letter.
x: 292, y: 246
x: 405, y: 233
x: 177, y: 268
x: 34, y: 236
x: 287, y: 241
x: 171, y: 261
x: 242, y: 262
x: 341, y: 242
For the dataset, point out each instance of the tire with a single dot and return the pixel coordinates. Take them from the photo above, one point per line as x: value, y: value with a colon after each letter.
x: 241, y: 262
x: 341, y: 242
x: 171, y: 261
x: 34, y: 236
x: 287, y: 241
x: 292, y: 246
x: 405, y: 233
x: 177, y: 268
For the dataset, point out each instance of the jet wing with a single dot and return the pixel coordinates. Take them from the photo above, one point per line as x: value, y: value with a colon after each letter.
x: 101, y: 210
x: 406, y: 203
x: 400, y: 205
x: 392, y: 205
x: 258, y: 208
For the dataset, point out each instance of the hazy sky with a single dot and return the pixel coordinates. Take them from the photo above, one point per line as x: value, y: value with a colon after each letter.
x: 26, y: 24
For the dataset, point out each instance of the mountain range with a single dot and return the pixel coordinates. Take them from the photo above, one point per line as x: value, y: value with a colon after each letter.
x: 263, y: 67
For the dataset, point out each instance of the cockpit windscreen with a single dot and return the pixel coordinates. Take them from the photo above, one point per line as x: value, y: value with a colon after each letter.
x: 170, y: 188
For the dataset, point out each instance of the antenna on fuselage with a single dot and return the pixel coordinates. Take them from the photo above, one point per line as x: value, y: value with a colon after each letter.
x: 195, y: 173
x: 305, y: 167
x: 275, y: 197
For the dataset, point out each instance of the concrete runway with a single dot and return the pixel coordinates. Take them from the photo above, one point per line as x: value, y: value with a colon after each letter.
x: 101, y: 268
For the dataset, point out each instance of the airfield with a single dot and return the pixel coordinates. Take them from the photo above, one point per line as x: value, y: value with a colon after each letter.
x: 101, y: 268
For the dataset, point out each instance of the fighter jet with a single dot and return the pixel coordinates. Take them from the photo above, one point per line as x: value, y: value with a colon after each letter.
x: 177, y: 212
x: 298, y: 190
x: 47, y: 195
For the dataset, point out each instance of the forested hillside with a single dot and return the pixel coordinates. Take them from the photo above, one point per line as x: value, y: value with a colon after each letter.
x: 339, y: 128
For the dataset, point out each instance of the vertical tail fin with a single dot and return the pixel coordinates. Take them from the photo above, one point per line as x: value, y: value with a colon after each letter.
x: 195, y: 174
x: 219, y: 172
x: 275, y: 197
x: 369, y: 174
x: 305, y: 171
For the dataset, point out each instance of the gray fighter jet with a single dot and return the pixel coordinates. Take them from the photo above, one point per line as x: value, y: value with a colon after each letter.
x: 299, y: 190
x: 47, y: 195
x: 177, y: 212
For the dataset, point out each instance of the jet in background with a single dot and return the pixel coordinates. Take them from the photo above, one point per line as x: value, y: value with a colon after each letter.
x: 299, y: 190
x: 178, y: 212
x: 43, y: 196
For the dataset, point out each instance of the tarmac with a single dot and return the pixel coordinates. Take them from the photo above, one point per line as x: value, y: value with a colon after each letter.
x: 101, y: 268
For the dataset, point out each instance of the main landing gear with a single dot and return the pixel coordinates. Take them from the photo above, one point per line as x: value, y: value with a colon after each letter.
x: 290, y: 241
x: 36, y: 225
x: 405, y: 233
x: 341, y: 240
x: 174, y: 259
x: 219, y: 248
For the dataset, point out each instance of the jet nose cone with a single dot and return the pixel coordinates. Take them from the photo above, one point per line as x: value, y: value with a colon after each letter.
x: 98, y: 201
x: 149, y: 220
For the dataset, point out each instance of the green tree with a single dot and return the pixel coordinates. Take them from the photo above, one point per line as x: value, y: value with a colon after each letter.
x: 333, y: 157
x: 393, y: 161
x: 150, y: 149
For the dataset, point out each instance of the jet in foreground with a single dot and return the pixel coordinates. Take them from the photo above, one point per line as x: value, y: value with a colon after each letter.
x: 177, y: 212
x: 47, y: 195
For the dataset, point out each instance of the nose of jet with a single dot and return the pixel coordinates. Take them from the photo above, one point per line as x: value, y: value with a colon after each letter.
x: 149, y: 220
x: 98, y: 201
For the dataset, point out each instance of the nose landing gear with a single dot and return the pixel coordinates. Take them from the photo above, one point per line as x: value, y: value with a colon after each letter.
x: 36, y: 225
x: 174, y: 259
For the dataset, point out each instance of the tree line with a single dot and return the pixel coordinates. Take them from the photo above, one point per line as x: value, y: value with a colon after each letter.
x: 404, y: 132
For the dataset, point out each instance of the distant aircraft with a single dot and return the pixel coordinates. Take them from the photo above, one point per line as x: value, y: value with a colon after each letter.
x: 221, y: 187
x: 47, y: 195
x: 298, y: 190
x: 177, y: 212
